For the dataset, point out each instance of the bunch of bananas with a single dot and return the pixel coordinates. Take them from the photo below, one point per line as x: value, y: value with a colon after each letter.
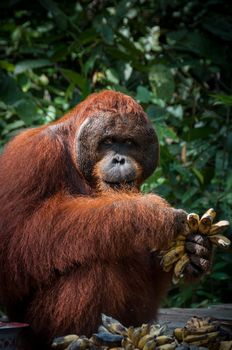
x: 113, y: 335
x: 176, y: 258
x: 205, y: 332
x: 198, y: 333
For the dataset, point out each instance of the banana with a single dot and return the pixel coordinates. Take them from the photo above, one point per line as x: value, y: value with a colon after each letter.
x: 206, y: 221
x: 144, y: 340
x: 219, y: 227
x: 113, y: 325
x: 202, y: 330
x: 172, y: 256
x: 102, y: 329
x: 210, y: 212
x: 130, y: 332
x: 193, y: 221
x: 171, y: 346
x: 178, y: 243
x: 220, y: 240
x: 135, y: 336
x: 212, y: 335
x: 62, y: 343
x: 79, y: 344
x: 205, y: 225
x: 156, y: 330
x: 179, y: 333
x: 164, y: 339
x: 198, y: 322
x: 150, y: 344
x: 179, y: 268
x: 127, y: 344
x: 193, y: 337
x: 226, y: 345
x: 145, y: 328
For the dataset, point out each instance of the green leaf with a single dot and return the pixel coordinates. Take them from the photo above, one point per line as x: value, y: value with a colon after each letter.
x: 197, y: 133
x: 143, y: 95
x: 9, y: 91
x: 198, y: 174
x: 219, y: 25
x: 104, y: 29
x: 15, y: 125
x: 162, y: 82
x: 26, y: 110
x: 112, y: 76
x: 59, y: 16
x: 23, y: 66
x: 77, y: 79
x: 223, y: 99
x: 7, y: 66
x: 220, y: 276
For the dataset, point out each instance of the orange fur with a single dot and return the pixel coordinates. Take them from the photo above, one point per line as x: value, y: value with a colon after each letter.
x: 67, y: 253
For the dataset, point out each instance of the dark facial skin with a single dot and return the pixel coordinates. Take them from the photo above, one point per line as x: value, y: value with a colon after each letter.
x: 118, y: 167
x: 117, y: 151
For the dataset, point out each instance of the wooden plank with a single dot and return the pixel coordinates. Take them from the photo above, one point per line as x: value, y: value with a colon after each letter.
x: 177, y: 317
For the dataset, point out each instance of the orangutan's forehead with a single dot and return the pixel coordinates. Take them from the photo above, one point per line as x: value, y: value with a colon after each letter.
x: 121, y: 125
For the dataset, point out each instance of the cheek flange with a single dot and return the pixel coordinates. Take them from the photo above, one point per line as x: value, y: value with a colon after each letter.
x: 85, y: 148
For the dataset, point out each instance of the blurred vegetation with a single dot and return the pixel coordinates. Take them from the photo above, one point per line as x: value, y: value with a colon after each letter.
x: 173, y: 56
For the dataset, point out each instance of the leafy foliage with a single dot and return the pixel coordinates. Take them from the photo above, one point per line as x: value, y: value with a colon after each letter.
x: 173, y: 56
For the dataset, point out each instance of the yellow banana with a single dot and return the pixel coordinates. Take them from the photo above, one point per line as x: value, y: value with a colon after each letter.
x: 193, y: 222
x: 219, y: 227
x: 178, y: 243
x: 127, y: 344
x: 136, y: 335
x: 205, y: 225
x: 171, y: 346
x: 202, y: 329
x: 145, y: 328
x: 206, y: 221
x: 179, y: 333
x: 156, y: 329
x: 144, y: 340
x: 150, y: 344
x: 179, y: 268
x: 163, y: 339
x: 220, y: 240
x: 226, y: 345
x: 172, y: 255
x: 130, y: 332
x: 197, y: 322
x: 113, y: 325
x: 62, y: 343
x: 194, y: 337
x: 210, y: 212
x: 212, y: 335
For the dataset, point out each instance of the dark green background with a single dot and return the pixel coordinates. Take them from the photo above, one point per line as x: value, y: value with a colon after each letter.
x: 174, y: 57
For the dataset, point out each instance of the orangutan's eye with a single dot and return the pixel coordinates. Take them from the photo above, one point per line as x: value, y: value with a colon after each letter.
x: 129, y: 142
x: 107, y: 142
